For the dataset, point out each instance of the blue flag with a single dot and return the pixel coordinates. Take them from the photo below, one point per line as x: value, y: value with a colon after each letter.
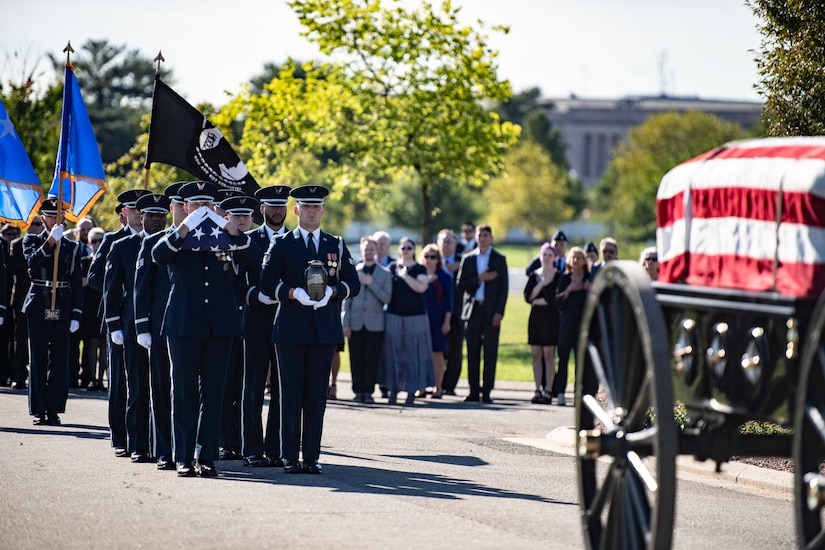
x: 20, y: 194
x: 79, y: 171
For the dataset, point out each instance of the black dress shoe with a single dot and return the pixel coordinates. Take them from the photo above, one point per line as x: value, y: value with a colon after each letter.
x: 205, y: 468
x: 486, y: 399
x: 292, y: 467
x: 40, y: 420
x: 139, y: 457
x: 277, y: 462
x: 471, y: 399
x: 449, y: 392
x: 18, y: 385
x: 257, y: 461
x: 165, y: 464
x: 312, y: 467
x: 185, y: 469
x: 52, y: 419
x: 229, y: 454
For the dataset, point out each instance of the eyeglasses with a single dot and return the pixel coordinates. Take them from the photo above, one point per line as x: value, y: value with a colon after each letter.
x: 431, y: 257
x: 96, y: 241
x: 37, y: 224
x: 407, y: 248
x: 651, y: 258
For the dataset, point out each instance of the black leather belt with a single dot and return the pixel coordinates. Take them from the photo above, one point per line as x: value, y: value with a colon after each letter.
x: 48, y: 284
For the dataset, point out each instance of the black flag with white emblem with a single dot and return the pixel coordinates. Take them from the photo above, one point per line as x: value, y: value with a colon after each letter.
x: 181, y: 136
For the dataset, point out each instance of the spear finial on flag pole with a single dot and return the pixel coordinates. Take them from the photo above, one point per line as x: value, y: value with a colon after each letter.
x: 159, y: 59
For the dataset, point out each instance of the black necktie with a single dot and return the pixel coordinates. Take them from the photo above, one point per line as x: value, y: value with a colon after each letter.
x: 311, y: 244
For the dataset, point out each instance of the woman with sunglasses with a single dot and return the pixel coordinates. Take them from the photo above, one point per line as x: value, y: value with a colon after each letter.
x: 649, y: 260
x: 439, y: 298
x: 543, y: 324
x: 407, y: 346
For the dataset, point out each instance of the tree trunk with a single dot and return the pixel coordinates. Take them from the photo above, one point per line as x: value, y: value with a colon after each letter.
x: 426, y: 214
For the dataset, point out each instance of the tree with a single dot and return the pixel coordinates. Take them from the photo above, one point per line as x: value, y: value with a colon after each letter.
x: 404, y: 93
x: 531, y: 194
x: 791, y: 62
x: 117, y: 87
x: 627, y: 191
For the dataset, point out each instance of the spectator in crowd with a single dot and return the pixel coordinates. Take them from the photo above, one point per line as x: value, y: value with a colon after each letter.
x: 80, y: 233
x: 363, y: 321
x: 8, y: 232
x: 484, y: 284
x: 543, y: 324
x: 439, y: 299
x: 571, y: 292
x: 649, y: 259
x: 468, y: 237
x: 592, y: 255
x: 559, y: 243
x: 610, y: 252
x: 93, y: 365
x: 382, y: 254
x: 448, y: 243
x: 20, y: 276
x: 407, y: 346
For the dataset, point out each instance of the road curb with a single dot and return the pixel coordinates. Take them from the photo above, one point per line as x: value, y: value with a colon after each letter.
x: 738, y: 474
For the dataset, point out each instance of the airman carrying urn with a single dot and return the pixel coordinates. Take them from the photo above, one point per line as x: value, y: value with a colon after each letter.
x: 316, y: 279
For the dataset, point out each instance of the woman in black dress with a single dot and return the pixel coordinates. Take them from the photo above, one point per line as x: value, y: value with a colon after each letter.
x: 571, y: 292
x: 543, y: 325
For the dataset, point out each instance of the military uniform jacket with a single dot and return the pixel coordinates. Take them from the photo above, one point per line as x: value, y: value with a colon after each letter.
x: 201, y: 301
x: 366, y: 310
x: 283, y: 269
x: 495, y: 291
x: 258, y: 318
x: 119, y: 285
x: 97, y: 270
x: 18, y: 269
x: 40, y: 259
x: 152, y: 287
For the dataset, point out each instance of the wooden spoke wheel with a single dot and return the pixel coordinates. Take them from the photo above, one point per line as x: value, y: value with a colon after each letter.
x: 809, y: 436
x: 627, y: 446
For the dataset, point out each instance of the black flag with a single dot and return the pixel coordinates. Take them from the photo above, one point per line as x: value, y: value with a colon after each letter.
x: 181, y: 136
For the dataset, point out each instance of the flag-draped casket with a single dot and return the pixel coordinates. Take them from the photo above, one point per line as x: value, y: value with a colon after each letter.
x: 749, y: 215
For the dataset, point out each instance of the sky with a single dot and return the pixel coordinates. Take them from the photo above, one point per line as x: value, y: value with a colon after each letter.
x: 598, y: 49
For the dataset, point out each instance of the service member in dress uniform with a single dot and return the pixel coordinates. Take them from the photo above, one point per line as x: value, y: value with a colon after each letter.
x: 116, y: 361
x: 259, y: 351
x: 306, y: 331
x: 238, y: 209
x: 49, y: 336
x: 119, y: 310
x: 200, y: 320
x: 152, y: 287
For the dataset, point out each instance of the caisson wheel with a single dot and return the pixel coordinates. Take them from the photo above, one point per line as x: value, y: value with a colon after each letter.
x: 627, y: 446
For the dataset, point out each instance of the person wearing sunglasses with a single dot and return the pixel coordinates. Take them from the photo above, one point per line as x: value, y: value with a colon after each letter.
x: 93, y: 360
x: 439, y: 298
x: 408, y: 354
x: 649, y: 259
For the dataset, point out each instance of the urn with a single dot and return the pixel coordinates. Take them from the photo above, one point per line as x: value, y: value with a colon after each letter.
x: 316, y: 280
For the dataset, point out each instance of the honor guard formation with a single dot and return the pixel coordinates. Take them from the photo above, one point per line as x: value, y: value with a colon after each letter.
x: 190, y: 326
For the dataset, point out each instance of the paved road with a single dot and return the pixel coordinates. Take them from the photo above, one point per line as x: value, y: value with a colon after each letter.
x: 442, y: 474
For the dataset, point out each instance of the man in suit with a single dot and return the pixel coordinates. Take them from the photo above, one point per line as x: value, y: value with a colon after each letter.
x: 119, y: 311
x: 117, y: 368
x: 484, y: 284
x: 306, y: 331
x: 610, y: 251
x: 448, y: 244
x: 259, y: 351
x: 363, y: 321
x: 200, y: 321
x: 49, y: 336
x: 382, y: 254
x: 152, y: 288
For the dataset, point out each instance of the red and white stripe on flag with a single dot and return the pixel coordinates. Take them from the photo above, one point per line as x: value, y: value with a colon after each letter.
x: 749, y: 215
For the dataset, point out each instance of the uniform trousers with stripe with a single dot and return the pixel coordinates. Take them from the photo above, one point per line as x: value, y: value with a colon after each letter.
x: 49, y: 376
x: 199, y: 368
x: 161, y: 382
x: 138, y: 418
x: 259, y: 354
x: 117, y: 395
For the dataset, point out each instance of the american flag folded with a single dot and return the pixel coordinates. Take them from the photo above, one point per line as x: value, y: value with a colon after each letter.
x: 207, y: 237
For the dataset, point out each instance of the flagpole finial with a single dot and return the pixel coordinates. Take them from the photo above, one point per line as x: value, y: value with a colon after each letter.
x: 159, y: 58
x: 69, y: 51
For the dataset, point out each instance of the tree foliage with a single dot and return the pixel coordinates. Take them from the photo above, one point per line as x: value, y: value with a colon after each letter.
x: 627, y: 191
x: 531, y: 194
x: 404, y: 92
x: 791, y: 62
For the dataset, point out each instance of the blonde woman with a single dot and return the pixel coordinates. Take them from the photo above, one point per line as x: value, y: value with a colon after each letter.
x: 571, y: 292
x: 649, y: 260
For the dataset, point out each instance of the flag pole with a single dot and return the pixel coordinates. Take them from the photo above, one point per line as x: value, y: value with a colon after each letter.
x: 158, y: 59
x: 54, y: 312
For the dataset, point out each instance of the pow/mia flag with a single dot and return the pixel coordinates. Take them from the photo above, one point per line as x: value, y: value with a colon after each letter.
x: 181, y: 136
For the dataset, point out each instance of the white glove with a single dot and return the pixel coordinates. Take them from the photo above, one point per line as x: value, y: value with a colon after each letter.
x: 264, y: 299
x: 303, y: 298
x: 220, y: 222
x: 73, y: 326
x: 195, y: 218
x: 56, y: 232
x: 117, y: 337
x: 1, y: 321
x: 325, y: 300
x: 144, y: 339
